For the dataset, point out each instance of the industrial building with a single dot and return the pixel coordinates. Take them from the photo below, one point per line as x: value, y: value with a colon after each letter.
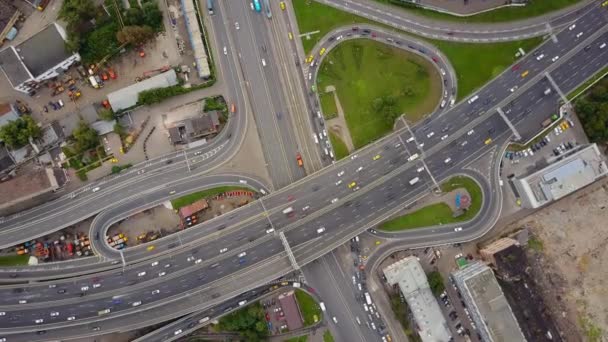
x: 39, y: 58
x: 561, y: 176
x: 127, y: 97
x: 30, y: 188
x: 410, y: 276
x: 487, y: 304
x: 196, y: 39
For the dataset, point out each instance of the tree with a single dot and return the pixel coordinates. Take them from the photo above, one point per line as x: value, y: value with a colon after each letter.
x: 74, y: 12
x: 135, y: 35
x: 436, y: 283
x: 152, y: 16
x: 106, y: 114
x: 85, y: 136
x: 100, y: 43
x: 16, y: 133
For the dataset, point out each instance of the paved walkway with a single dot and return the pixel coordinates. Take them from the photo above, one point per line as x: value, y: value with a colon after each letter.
x: 338, y: 124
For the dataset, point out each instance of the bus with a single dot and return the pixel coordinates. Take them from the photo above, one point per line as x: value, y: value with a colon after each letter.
x: 257, y: 6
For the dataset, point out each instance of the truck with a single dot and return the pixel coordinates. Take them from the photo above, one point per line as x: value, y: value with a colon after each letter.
x: 288, y: 211
x: 93, y: 82
x: 414, y: 180
x: 210, y: 6
x: 368, y: 299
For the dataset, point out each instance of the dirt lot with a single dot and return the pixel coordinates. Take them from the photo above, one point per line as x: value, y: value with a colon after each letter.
x: 570, y: 266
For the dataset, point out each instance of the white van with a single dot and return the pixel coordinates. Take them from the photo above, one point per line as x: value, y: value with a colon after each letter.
x: 413, y: 157
x: 95, y: 189
x: 414, y: 180
x: 473, y: 99
x: 322, y: 305
x: 410, y: 139
x: 287, y: 210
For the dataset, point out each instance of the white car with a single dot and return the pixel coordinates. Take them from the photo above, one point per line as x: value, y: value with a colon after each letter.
x: 251, y: 5
x: 353, y: 157
x: 442, y: 72
x: 96, y: 285
x: 270, y: 230
x: 160, y: 274
x: 263, y: 62
x: 513, y: 89
x: 39, y: 321
x: 84, y: 288
x: 420, y: 169
x: 341, y: 173
x: 54, y: 314
x: 71, y: 318
x: 242, y: 255
x: 338, y: 182
x: 334, y: 200
x: 470, y: 132
x: 430, y: 134
x: 603, y: 45
x: 320, y: 230
x: 447, y: 160
x: 306, y: 208
x: 457, y: 229
x: 141, y: 274
x: 190, y: 258
x: 177, y: 332
x: 571, y: 27
x: 410, y: 139
x: 324, y: 133
x: 136, y: 303
x: 236, y: 25
x: 444, y: 137
x: 335, y: 319
x: 359, y: 169
x: 155, y: 292
x: 554, y: 58
x: 154, y: 264
x: 2, y: 313
x: 198, y: 261
x: 225, y: 51
x: 580, y: 34
x: 530, y: 151
x: 421, y: 145
x: 314, y: 136
x: 539, y: 57
x: 224, y: 250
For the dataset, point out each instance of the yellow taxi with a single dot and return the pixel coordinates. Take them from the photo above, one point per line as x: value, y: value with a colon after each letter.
x: 605, y: 3
x: 525, y: 73
x: 564, y: 125
x: 150, y: 248
x: 282, y: 4
x: 352, y: 185
x: 290, y: 36
x: 310, y: 58
x: 322, y: 52
x: 377, y: 156
x: 488, y: 141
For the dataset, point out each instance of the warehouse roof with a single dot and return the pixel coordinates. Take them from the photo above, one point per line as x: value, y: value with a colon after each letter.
x: 127, y: 97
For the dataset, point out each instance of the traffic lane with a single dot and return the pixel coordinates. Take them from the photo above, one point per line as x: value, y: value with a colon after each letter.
x: 85, y: 309
x: 252, y: 65
x: 279, y: 217
x: 185, y: 304
x: 272, y: 80
x: 326, y: 281
x: 444, y: 30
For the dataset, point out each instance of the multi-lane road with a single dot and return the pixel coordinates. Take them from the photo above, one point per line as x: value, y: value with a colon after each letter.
x: 188, y: 285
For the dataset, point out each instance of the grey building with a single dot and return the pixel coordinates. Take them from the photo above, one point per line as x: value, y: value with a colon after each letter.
x: 127, y: 97
x: 185, y: 131
x: 39, y: 58
x: 408, y: 273
x: 9, y: 15
x: 487, y: 304
x: 561, y: 176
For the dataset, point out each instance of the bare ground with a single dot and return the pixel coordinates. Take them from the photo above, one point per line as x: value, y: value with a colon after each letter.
x: 571, y: 268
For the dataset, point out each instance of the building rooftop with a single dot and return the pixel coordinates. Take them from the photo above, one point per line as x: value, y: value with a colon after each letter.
x: 185, y: 130
x: 13, y: 67
x: 7, y: 12
x: 6, y: 161
x: 291, y: 310
x: 193, y: 208
x: 562, y: 176
x: 410, y: 276
x: 488, y: 306
x: 103, y: 127
x: 7, y: 113
x: 127, y: 97
x: 44, y: 50
x: 27, y: 186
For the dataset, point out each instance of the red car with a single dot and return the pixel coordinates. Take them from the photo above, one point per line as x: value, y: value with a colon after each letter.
x: 104, y: 76
x: 373, y: 35
x: 267, y: 317
x: 112, y: 74
x: 299, y: 159
x: 515, y: 67
x: 435, y: 59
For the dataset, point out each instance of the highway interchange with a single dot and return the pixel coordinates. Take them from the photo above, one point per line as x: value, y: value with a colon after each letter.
x: 384, y: 187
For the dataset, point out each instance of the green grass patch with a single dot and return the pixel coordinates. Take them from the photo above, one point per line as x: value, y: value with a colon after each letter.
x: 327, y: 337
x: 14, y: 260
x: 533, y: 9
x: 375, y: 84
x: 328, y: 103
x: 471, y: 72
x: 308, y: 307
x: 339, y: 146
x: 578, y: 91
x: 439, y: 213
x: 298, y: 339
x: 195, y: 196
x: 593, y: 332
x: 535, y: 244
